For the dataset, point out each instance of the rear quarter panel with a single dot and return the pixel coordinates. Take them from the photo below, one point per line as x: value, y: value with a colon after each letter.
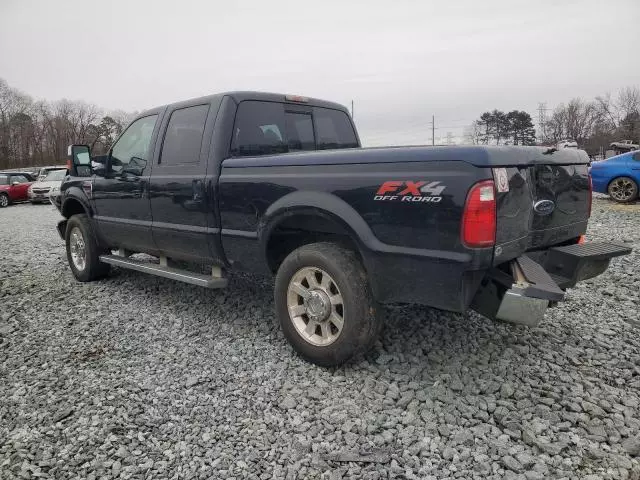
x: 247, y: 193
x: 411, y: 247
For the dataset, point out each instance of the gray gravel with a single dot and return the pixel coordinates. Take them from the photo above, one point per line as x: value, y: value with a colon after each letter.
x: 140, y: 377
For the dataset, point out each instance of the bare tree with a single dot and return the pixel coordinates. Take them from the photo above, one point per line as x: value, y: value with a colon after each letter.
x: 576, y: 120
x: 473, y: 134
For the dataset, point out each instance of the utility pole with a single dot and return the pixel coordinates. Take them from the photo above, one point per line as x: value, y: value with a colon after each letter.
x: 542, y: 121
x: 433, y: 130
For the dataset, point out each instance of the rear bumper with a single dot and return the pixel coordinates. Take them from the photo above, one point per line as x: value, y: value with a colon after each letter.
x: 537, y: 280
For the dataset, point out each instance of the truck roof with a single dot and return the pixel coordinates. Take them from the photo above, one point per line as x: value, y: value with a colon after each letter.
x: 239, y: 96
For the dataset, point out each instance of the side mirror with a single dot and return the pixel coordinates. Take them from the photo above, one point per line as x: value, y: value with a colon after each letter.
x: 15, y: 183
x: 79, y: 160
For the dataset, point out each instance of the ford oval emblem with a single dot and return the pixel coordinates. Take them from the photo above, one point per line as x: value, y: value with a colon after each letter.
x: 544, y: 207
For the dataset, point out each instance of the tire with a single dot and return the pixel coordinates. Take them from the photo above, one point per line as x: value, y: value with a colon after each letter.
x: 4, y: 200
x: 623, y: 189
x: 310, y: 322
x: 91, y: 268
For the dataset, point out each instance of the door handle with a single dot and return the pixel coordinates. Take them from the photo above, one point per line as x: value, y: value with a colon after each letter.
x: 198, y: 190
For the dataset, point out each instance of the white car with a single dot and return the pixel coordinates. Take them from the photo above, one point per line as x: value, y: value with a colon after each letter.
x: 624, y: 146
x: 568, y: 143
x: 39, y: 191
x: 44, y: 171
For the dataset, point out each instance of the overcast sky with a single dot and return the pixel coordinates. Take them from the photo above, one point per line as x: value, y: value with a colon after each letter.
x: 401, y: 61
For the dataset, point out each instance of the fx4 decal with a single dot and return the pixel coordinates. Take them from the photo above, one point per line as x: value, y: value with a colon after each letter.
x: 409, y: 191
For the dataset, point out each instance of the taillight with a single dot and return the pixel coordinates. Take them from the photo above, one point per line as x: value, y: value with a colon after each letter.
x: 479, y: 216
x: 590, y: 195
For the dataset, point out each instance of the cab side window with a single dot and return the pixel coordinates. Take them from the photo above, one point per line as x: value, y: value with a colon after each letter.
x: 19, y: 179
x: 131, y: 151
x: 183, y: 139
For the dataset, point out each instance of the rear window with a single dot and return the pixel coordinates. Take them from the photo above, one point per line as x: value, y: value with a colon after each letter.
x: 264, y: 128
x: 299, y: 128
x: 259, y: 129
x: 333, y: 129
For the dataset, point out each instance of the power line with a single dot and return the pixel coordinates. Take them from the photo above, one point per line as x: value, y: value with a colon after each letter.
x: 449, y: 138
x: 433, y: 130
x: 542, y: 120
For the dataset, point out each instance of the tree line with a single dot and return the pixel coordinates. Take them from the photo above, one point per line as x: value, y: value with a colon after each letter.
x: 593, y: 124
x: 500, y: 128
x: 37, y: 132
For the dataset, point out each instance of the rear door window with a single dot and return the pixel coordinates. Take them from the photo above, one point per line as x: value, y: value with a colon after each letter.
x: 4, y: 180
x: 183, y: 138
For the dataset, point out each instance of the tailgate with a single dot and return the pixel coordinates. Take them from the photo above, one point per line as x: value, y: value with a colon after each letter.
x: 539, y: 206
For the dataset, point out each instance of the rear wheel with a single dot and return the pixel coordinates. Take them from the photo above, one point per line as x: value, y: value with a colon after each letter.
x: 324, y: 304
x: 4, y: 200
x: 83, y: 251
x: 623, y: 189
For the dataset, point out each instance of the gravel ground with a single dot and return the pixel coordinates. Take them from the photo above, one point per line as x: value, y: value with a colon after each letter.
x: 140, y: 377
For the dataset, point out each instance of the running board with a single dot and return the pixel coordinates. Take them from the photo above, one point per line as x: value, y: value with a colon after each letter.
x: 207, y: 281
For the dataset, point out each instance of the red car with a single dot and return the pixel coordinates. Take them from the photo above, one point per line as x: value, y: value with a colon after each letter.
x: 14, y: 187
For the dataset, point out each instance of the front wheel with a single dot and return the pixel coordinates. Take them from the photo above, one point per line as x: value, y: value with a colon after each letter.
x: 324, y: 304
x: 623, y: 189
x: 4, y: 200
x: 83, y: 252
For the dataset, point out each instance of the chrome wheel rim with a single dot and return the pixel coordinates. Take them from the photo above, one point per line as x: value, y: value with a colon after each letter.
x: 77, y: 248
x: 315, y: 306
x: 4, y: 201
x: 622, y: 189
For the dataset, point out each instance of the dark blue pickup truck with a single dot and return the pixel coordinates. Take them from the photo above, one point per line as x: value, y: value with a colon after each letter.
x: 278, y: 184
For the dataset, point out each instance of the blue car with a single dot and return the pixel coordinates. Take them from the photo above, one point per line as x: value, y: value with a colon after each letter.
x: 618, y: 176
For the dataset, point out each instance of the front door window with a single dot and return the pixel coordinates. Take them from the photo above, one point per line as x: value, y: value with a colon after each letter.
x: 131, y: 151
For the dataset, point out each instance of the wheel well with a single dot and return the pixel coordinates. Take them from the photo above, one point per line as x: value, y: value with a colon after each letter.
x: 72, y: 207
x: 302, y: 229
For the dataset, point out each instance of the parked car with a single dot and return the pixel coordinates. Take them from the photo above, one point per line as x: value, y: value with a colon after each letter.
x: 14, y: 187
x: 40, y: 190
x: 618, y: 176
x: 624, y: 146
x: 277, y: 184
x: 44, y: 171
x: 568, y: 143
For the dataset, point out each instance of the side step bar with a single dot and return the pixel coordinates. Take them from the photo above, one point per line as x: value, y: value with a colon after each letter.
x: 207, y: 281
